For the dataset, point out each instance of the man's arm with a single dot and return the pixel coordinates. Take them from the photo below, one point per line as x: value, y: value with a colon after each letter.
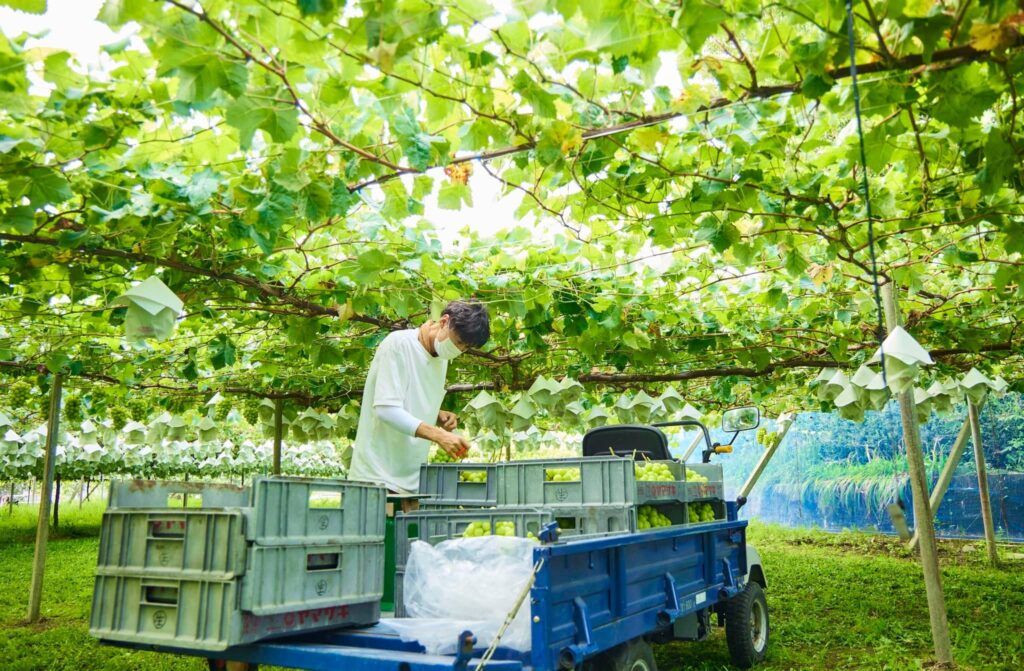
x: 400, y: 419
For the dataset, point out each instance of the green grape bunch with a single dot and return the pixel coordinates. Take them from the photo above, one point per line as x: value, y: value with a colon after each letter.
x: 251, y: 411
x: 701, y: 512
x: 20, y: 396
x: 654, y: 471
x: 138, y: 409
x: 649, y: 517
x: 473, y: 476
x: 562, y: 474
x: 439, y: 456
x: 501, y: 528
x: 119, y: 416
x: 221, y: 411
x: 73, y: 409
x: 694, y: 476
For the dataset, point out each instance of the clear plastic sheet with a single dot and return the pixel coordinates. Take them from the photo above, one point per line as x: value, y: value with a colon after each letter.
x: 466, y: 583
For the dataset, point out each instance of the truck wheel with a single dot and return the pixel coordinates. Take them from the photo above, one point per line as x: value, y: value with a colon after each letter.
x: 222, y: 665
x: 636, y: 655
x: 746, y: 626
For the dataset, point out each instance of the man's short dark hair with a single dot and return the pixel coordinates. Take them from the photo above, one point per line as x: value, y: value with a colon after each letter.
x: 470, y: 321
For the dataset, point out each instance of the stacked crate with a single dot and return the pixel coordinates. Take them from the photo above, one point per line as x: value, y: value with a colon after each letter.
x: 209, y: 566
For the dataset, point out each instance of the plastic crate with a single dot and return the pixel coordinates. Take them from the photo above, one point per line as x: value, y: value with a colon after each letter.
x: 442, y: 483
x: 157, y: 494
x: 434, y: 526
x: 305, y: 511
x: 714, y: 488
x: 201, y: 614
x: 718, y: 506
x: 283, y: 510
x: 663, y: 490
x: 183, y: 543
x: 594, y: 520
x: 675, y: 511
x: 602, y: 481
x: 288, y: 578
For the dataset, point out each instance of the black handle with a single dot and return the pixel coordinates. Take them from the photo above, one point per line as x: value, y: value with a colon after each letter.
x: 690, y: 422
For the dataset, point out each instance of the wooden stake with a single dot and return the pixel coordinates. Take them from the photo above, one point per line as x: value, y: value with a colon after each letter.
x: 946, y: 477
x: 56, y: 504
x: 986, y: 504
x: 922, y: 510
x: 278, y: 434
x: 43, y: 523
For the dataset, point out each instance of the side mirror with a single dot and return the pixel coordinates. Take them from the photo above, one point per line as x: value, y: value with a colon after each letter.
x: 735, y: 420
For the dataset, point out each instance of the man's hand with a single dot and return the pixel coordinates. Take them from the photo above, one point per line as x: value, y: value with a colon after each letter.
x: 447, y: 420
x: 455, y: 445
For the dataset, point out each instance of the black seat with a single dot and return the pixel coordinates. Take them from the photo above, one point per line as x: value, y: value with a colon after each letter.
x: 623, y: 440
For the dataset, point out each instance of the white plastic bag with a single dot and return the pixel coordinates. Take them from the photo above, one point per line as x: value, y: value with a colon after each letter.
x: 466, y: 583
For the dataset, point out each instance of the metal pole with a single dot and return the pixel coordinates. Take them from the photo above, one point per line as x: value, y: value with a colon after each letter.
x: 922, y: 510
x: 946, y: 477
x: 785, y: 421
x: 278, y: 434
x: 986, y: 504
x: 692, y: 447
x: 43, y: 523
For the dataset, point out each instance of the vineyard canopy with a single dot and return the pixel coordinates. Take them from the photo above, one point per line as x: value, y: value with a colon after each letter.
x: 270, y: 163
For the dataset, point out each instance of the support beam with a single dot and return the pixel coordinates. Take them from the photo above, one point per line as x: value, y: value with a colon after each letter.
x: 278, y: 434
x: 35, y: 594
x: 693, y: 446
x: 986, y: 504
x: 946, y: 477
x: 785, y: 421
x: 922, y: 510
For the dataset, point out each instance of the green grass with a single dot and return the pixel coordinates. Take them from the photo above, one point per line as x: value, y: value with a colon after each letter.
x: 843, y: 601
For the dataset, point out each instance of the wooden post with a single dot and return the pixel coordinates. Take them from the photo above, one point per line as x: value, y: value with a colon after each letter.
x: 946, y: 477
x: 923, y: 521
x: 10, y: 501
x: 986, y: 504
x: 278, y: 434
x: 785, y: 421
x: 43, y: 523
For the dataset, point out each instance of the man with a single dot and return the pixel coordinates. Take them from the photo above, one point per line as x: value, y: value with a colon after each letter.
x: 401, y: 410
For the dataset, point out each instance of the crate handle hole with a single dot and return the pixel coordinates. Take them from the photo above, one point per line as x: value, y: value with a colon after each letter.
x: 568, y: 523
x: 323, y: 561
x: 184, y: 500
x: 161, y: 594
x: 325, y: 498
x: 170, y: 527
x: 413, y: 531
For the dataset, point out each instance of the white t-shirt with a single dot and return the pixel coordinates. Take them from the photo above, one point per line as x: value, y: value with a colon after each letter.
x: 402, y: 374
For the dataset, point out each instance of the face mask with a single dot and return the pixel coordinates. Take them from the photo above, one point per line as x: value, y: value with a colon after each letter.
x: 446, y: 349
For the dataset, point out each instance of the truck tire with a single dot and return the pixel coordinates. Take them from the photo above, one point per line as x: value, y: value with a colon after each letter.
x: 636, y: 655
x: 222, y: 665
x: 746, y: 626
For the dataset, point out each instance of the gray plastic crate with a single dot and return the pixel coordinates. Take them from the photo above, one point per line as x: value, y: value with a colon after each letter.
x: 434, y: 526
x: 714, y: 488
x: 201, y: 614
x: 288, y: 578
x: 182, y: 543
x: 283, y: 510
x: 156, y: 494
x: 675, y: 511
x: 594, y: 520
x: 681, y: 490
x: 443, y: 484
x: 602, y: 480
x: 718, y: 506
x: 304, y: 511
